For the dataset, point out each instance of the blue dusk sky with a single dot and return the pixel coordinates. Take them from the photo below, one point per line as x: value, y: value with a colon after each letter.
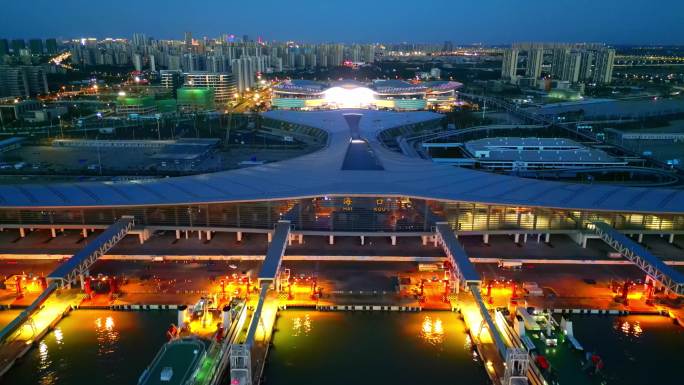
x: 464, y: 22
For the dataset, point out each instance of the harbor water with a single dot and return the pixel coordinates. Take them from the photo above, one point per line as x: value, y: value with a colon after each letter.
x: 636, y: 350
x: 311, y: 347
x: 93, y: 347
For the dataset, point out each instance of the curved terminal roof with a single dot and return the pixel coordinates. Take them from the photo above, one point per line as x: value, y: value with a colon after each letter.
x: 321, y: 173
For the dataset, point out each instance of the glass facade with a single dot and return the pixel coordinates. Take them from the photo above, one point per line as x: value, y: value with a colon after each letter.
x: 350, y: 214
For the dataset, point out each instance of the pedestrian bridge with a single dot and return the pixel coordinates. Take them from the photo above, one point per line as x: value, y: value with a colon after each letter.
x: 637, y: 254
x: 80, y: 262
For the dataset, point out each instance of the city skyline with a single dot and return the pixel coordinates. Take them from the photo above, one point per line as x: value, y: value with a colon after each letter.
x: 492, y: 22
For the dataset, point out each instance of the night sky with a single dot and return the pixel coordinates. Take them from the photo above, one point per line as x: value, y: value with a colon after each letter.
x: 473, y: 21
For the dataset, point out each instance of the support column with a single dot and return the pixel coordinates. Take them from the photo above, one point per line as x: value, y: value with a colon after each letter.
x: 363, y: 240
x: 208, y: 235
x: 584, y: 241
x: 435, y: 241
x: 270, y: 237
x: 53, y: 232
x: 85, y: 233
x: 177, y: 234
x: 199, y: 234
x: 300, y: 237
x: 394, y: 240
x: 517, y: 238
x: 141, y: 237
x: 525, y: 238
x: 331, y: 240
x: 538, y: 237
x: 424, y: 239
x: 640, y: 238
x: 239, y: 236
x: 547, y: 238
x: 289, y: 239
x: 187, y: 234
x: 485, y: 239
x: 671, y: 239
x: 22, y: 232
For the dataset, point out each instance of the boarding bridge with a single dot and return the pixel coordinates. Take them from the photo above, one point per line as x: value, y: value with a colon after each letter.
x: 464, y: 269
x: 77, y: 266
x: 242, y: 365
x: 468, y: 277
x: 637, y: 254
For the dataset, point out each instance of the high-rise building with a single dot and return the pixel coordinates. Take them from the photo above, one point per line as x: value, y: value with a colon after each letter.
x: 188, y: 38
x: 36, y: 46
x: 23, y: 81
x: 448, y: 46
x: 535, y: 59
x: 558, y: 61
x: 171, y: 80
x: 571, y: 67
x: 586, y: 63
x: 509, y: 66
x: 51, y: 46
x: 17, y: 46
x: 603, y: 69
x: 4, y: 47
x: 137, y: 62
x: 139, y: 40
x: 222, y: 84
x: 153, y: 63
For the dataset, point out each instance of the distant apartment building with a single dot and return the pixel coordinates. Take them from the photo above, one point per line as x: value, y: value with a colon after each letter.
x: 509, y: 66
x: 22, y: 81
x: 221, y: 84
x: 569, y: 63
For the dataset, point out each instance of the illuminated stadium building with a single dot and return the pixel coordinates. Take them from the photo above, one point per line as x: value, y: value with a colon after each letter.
x: 381, y: 94
x: 354, y: 185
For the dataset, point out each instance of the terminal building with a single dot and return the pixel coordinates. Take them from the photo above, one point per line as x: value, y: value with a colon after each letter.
x: 380, y: 94
x: 354, y: 185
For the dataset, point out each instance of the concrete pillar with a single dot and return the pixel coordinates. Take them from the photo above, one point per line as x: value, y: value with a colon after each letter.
x: 85, y: 233
x: 517, y: 238
x: 239, y: 236
x: 640, y: 238
x: 485, y: 239
x: 538, y: 237
x: 331, y: 240
x: 177, y: 234
x: 270, y: 237
x: 53, y: 232
x: 363, y: 240
x: 141, y: 237
x: 525, y: 238
x: 208, y: 235
x: 187, y: 234
x: 424, y: 239
x: 199, y: 235
x: 547, y: 238
x: 671, y: 239
x: 289, y: 239
x: 300, y: 238
x: 81, y: 277
x: 584, y: 241
x: 435, y: 240
x: 22, y: 232
x: 394, y: 240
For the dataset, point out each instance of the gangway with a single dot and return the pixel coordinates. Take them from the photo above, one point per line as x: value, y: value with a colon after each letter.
x: 66, y: 273
x: 637, y: 254
x: 242, y: 365
x: 465, y: 271
x: 469, y: 277
x: 78, y: 265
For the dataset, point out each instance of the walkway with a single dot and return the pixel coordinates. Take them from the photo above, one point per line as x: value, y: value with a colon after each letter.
x: 637, y: 254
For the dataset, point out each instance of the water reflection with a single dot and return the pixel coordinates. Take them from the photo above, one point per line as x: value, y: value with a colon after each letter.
x: 629, y: 329
x: 107, y: 336
x: 301, y: 326
x: 432, y: 332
